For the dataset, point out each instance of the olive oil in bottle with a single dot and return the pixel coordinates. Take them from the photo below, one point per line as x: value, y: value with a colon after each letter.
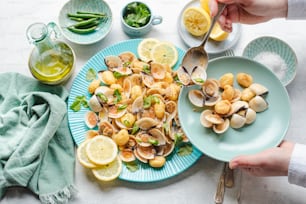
x: 51, y: 61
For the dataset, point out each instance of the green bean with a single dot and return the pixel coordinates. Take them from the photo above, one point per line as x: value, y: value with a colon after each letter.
x: 85, y: 22
x: 95, y: 23
x: 82, y: 30
x: 76, y: 19
x: 84, y: 16
x: 93, y: 13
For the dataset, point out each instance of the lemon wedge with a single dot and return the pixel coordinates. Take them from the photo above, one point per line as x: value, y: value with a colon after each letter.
x: 82, y: 156
x: 217, y: 33
x: 109, y: 171
x: 196, y: 20
x: 101, y: 150
x: 164, y: 53
x: 205, y: 5
x: 145, y: 47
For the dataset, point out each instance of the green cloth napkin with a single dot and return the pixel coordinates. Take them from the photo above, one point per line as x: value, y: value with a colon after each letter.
x: 36, y: 147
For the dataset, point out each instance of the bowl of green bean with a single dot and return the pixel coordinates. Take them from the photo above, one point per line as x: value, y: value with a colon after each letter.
x: 85, y: 22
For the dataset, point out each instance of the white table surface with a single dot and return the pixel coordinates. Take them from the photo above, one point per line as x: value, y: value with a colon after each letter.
x: 198, y: 183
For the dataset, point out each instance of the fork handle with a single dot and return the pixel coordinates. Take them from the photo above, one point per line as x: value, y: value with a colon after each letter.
x: 219, y: 196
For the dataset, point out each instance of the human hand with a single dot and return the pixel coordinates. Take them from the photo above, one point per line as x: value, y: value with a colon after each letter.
x: 271, y: 162
x: 248, y: 11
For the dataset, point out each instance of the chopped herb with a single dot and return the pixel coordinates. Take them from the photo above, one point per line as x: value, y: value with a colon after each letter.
x: 149, y: 101
x: 126, y: 64
x: 117, y: 96
x: 135, y: 129
x: 146, y: 69
x: 122, y: 107
x: 118, y: 75
x: 153, y: 141
x: 132, y: 166
x: 78, y: 102
x: 102, y: 97
x: 127, y: 123
x: 136, y: 14
x: 177, y: 80
x: 199, y: 80
x: 178, y: 137
x: 91, y: 74
x: 185, y: 149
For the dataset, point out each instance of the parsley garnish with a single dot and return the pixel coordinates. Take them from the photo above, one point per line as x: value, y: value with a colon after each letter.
x: 91, y: 74
x: 78, y: 102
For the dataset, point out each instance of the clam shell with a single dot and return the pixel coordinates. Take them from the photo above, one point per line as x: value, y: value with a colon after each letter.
x: 137, y: 105
x: 127, y: 57
x: 106, y: 128
x: 221, y: 128
x: 127, y: 155
x: 196, y: 97
x: 158, y: 135
x: 237, y: 121
x: 146, y: 123
x: 198, y: 75
x: 250, y: 116
x: 91, y: 119
x: 114, y: 112
x: 168, y: 149
x: 112, y: 61
x: 203, y: 119
x: 146, y: 152
x: 258, y: 104
x: 183, y: 76
x: 139, y: 157
x: 94, y: 104
x: 158, y: 71
x: 148, y: 80
x: 214, y: 118
x: 259, y: 89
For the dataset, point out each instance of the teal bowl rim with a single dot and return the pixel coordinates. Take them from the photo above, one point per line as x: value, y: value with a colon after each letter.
x: 285, y: 44
x: 98, y: 38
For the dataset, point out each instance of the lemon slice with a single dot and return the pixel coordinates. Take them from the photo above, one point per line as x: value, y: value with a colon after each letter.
x: 164, y: 53
x: 82, y: 156
x: 145, y: 47
x: 109, y: 171
x: 217, y: 33
x: 196, y: 21
x: 101, y: 150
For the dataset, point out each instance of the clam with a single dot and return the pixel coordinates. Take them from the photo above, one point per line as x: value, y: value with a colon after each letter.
x: 210, y: 88
x: 183, y: 76
x: 123, y: 71
x: 127, y: 57
x: 116, y: 111
x: 148, y: 80
x: 127, y: 155
x: 159, y: 136
x: 250, y: 116
x: 198, y: 75
x: 136, y: 79
x: 94, y: 104
x: 221, y: 128
x: 259, y: 89
x: 214, y: 118
x: 238, y: 106
x: 105, y: 95
x: 139, y: 157
x: 258, y: 104
x: 168, y: 148
x: 158, y: 70
x: 247, y: 94
x: 112, y: 62
x: 171, y: 106
x: 146, y: 123
x: 144, y: 139
x: 146, y: 152
x: 196, y: 97
x: 91, y: 119
x: 106, y: 128
x: 137, y: 105
x: 103, y: 114
x: 237, y: 121
x: 203, y: 119
x: 127, y: 87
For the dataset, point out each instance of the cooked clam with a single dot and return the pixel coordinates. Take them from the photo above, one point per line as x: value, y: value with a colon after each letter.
x: 196, y: 97
x: 91, y: 119
x: 158, y: 70
x: 258, y: 104
x: 146, y: 152
x: 94, y: 104
x: 221, y: 128
x: 183, y: 76
x: 127, y: 57
x: 250, y: 116
x: 259, y: 89
x: 106, y: 128
x: 146, y: 123
x: 198, y: 75
x: 112, y: 61
x: 127, y: 155
x: 203, y: 119
x: 237, y: 121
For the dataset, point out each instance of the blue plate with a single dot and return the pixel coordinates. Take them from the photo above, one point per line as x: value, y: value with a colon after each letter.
x: 175, y: 164
x: 267, y: 131
x: 73, y: 6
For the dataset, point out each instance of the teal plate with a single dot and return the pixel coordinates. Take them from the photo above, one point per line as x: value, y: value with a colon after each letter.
x: 267, y: 131
x: 175, y: 164
x: 73, y: 6
x: 267, y: 44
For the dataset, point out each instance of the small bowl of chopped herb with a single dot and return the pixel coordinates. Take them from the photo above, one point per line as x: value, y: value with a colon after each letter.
x: 85, y: 22
x: 275, y: 54
x: 137, y: 19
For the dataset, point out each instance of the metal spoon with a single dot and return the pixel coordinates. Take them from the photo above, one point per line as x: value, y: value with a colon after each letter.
x: 197, y: 56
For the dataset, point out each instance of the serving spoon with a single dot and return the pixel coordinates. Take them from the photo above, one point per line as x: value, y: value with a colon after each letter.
x: 197, y: 57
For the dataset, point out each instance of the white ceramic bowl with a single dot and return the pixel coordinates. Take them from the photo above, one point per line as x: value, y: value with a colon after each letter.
x: 73, y: 6
x: 275, y: 54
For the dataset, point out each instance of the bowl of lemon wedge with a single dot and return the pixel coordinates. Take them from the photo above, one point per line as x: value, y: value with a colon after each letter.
x: 193, y: 23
